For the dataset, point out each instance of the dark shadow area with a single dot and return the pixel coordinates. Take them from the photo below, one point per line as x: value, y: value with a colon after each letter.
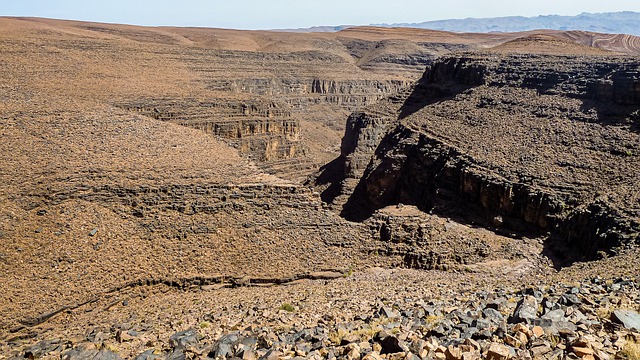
x: 613, y: 114
x: 546, y: 82
x: 356, y: 208
x: 331, y: 174
x: 435, y: 86
x: 425, y: 94
x: 359, y: 206
x: 588, y: 234
x: 616, y: 100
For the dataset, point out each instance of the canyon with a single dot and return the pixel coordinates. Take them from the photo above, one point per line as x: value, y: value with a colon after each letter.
x: 430, y: 152
x: 164, y: 189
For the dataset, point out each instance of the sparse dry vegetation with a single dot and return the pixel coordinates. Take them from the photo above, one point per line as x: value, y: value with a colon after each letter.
x: 631, y: 351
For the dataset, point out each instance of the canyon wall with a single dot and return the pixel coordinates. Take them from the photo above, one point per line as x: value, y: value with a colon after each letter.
x: 301, y: 92
x: 262, y: 129
x: 455, y: 147
x: 267, y: 127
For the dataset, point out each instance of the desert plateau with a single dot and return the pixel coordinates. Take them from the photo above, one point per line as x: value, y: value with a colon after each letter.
x: 370, y: 193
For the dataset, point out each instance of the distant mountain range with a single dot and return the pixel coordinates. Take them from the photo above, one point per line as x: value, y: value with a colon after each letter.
x: 624, y: 22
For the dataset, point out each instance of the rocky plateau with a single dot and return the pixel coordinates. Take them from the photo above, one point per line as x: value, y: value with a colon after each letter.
x: 373, y: 193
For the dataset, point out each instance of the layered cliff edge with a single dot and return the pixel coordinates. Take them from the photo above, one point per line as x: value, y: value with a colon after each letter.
x: 527, y: 145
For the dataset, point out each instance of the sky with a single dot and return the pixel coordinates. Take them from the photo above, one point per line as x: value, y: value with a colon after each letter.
x: 287, y: 14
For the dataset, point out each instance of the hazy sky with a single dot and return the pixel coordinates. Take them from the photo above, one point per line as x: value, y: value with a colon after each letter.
x: 271, y: 14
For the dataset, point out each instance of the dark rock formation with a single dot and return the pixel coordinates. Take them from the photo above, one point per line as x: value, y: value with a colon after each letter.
x: 426, y: 243
x: 520, y: 143
x: 363, y: 133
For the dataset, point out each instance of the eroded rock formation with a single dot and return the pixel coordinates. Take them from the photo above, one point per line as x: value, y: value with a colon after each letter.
x: 522, y: 143
x: 265, y: 130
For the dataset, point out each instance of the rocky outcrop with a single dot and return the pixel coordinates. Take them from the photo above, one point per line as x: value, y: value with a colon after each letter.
x: 298, y: 92
x: 191, y: 199
x: 363, y: 133
x: 428, y: 173
x: 366, y: 128
x: 436, y: 154
x: 324, y: 86
x: 265, y: 139
x: 265, y: 130
x: 437, y: 178
x: 426, y: 242
x: 268, y: 130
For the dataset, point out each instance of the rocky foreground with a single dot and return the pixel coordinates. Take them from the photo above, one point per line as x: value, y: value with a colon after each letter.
x: 592, y: 319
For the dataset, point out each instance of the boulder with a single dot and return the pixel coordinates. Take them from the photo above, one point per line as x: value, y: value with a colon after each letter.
x: 628, y: 318
x: 184, y: 339
x: 498, y: 351
x: 526, y: 311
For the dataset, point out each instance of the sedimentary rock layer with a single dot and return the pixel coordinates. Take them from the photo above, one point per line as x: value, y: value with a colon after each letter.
x: 524, y: 143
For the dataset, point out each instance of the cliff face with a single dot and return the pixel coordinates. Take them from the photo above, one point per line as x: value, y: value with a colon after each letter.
x: 363, y: 133
x: 265, y: 102
x: 436, y: 178
x: 268, y: 126
x: 520, y: 144
x: 300, y: 91
x: 265, y: 130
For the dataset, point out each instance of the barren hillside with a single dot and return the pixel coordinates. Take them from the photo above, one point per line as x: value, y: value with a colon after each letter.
x: 152, y: 202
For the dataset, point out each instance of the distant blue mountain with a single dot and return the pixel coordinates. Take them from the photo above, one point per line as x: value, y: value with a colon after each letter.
x: 321, y: 28
x: 624, y: 22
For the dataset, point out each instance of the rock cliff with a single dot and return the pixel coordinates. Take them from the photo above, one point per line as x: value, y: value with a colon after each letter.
x: 264, y: 130
x: 523, y: 144
x: 267, y: 125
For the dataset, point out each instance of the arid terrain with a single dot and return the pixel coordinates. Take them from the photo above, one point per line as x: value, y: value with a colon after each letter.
x: 192, y: 193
